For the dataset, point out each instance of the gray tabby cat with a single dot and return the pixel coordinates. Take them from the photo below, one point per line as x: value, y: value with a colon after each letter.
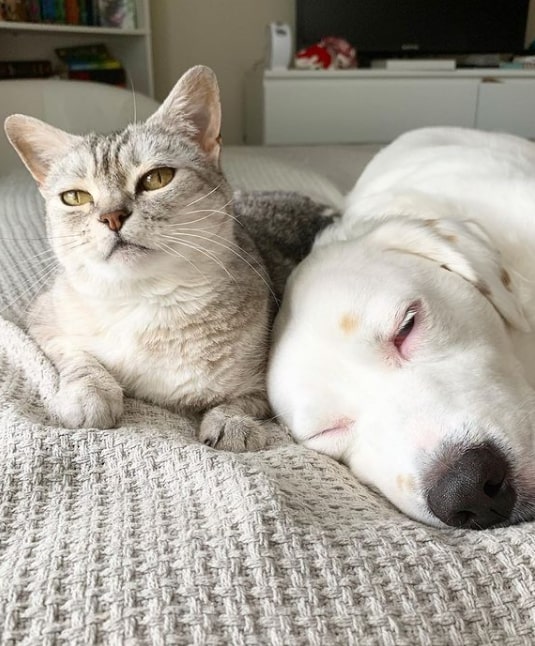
x: 160, y: 295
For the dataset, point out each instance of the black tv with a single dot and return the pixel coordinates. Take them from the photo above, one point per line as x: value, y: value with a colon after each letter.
x: 404, y: 28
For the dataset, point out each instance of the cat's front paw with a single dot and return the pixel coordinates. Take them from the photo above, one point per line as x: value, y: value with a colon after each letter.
x: 229, y: 429
x: 79, y: 404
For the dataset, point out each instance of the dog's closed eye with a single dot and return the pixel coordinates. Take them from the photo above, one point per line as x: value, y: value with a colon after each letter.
x: 404, y: 330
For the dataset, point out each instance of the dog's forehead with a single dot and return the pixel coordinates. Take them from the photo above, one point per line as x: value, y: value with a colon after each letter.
x: 355, y: 278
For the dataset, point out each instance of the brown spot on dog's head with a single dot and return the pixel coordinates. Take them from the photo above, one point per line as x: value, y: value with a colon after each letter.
x: 506, y: 279
x: 349, y: 322
x: 405, y: 482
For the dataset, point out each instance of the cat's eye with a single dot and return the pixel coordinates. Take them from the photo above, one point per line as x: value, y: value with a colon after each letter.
x: 156, y: 178
x: 76, y: 198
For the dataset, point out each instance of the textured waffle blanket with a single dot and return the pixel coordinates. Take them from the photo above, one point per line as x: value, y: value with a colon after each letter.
x: 140, y: 535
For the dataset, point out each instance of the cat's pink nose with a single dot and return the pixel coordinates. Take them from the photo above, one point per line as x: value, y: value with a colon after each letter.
x: 114, y: 219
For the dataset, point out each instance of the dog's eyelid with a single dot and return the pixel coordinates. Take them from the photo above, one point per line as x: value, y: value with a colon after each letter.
x: 410, y: 315
x: 405, y: 327
x: 410, y: 312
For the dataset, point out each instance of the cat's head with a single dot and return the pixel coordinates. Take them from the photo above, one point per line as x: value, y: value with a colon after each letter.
x: 139, y: 203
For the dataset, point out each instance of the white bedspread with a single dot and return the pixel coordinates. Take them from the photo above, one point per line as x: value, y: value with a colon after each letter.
x: 140, y: 535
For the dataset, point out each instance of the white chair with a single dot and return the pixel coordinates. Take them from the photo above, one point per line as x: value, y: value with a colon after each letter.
x: 75, y: 106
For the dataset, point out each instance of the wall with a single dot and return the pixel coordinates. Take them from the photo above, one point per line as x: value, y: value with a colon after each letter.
x: 530, y: 31
x: 227, y: 35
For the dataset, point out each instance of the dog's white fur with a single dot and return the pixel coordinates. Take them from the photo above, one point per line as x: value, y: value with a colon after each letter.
x: 442, y: 222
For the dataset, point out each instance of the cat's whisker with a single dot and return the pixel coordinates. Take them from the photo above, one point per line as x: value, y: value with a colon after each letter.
x: 165, y: 248
x: 70, y: 245
x: 44, y: 237
x: 41, y: 257
x: 212, y: 256
x: 44, y: 252
x: 131, y: 83
x: 221, y: 211
x: 70, y: 235
x: 210, y: 212
x: 45, y: 263
x: 36, y: 285
x: 203, y: 197
x: 234, y: 248
x: 215, y: 235
x: 238, y: 255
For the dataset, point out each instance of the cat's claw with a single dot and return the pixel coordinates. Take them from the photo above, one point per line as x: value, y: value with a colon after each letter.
x: 78, y: 404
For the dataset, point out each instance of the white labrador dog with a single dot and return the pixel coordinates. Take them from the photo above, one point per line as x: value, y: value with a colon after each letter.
x: 404, y: 346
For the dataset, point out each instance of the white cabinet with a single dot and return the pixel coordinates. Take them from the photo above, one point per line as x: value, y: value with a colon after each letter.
x: 32, y: 41
x: 374, y: 106
x: 507, y: 105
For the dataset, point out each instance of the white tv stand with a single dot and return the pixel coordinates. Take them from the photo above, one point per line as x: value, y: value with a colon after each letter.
x: 374, y: 106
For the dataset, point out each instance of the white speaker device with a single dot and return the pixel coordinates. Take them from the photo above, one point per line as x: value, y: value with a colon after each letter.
x: 279, y: 46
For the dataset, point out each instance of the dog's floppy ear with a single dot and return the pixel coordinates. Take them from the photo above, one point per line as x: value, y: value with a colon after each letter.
x: 463, y: 248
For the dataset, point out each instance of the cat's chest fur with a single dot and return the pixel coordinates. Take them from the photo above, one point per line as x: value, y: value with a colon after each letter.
x: 172, y: 351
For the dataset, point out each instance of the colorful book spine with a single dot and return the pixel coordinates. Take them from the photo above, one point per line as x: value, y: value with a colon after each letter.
x: 33, y: 8
x: 82, y: 8
x: 59, y: 10
x: 95, y: 65
x: 48, y: 10
x: 93, y: 12
x: 72, y: 12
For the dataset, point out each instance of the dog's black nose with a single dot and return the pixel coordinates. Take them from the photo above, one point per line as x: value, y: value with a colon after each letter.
x: 474, y: 493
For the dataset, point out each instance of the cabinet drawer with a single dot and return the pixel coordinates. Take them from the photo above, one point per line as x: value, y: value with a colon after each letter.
x: 507, y: 105
x: 320, y: 111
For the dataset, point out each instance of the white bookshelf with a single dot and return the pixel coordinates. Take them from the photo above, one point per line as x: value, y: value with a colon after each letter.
x: 133, y: 47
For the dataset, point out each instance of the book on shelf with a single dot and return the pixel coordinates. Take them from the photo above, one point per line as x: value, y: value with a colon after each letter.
x: 119, y: 14
x: 48, y: 10
x: 111, y: 64
x: 111, y: 76
x: 33, y: 10
x: 25, y: 69
x: 72, y: 12
x: 59, y: 11
x: 92, y: 63
x: 97, y: 52
x: 14, y: 10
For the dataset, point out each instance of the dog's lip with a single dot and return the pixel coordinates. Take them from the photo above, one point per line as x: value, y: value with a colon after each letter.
x: 338, y: 427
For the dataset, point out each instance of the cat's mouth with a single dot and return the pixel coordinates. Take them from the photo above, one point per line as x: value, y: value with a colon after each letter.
x: 123, y: 246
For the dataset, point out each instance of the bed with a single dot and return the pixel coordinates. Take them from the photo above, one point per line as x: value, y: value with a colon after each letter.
x: 141, y: 535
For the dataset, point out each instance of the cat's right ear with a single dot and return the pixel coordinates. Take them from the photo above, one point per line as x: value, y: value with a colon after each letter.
x: 193, y: 107
x: 37, y: 143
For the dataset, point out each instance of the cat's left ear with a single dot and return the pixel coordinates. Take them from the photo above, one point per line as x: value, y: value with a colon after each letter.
x: 194, y: 107
x: 37, y: 143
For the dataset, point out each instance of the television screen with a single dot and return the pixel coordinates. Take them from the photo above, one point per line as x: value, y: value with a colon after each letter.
x: 416, y: 27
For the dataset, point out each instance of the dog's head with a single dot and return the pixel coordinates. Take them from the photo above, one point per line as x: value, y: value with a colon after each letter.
x: 394, y: 353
